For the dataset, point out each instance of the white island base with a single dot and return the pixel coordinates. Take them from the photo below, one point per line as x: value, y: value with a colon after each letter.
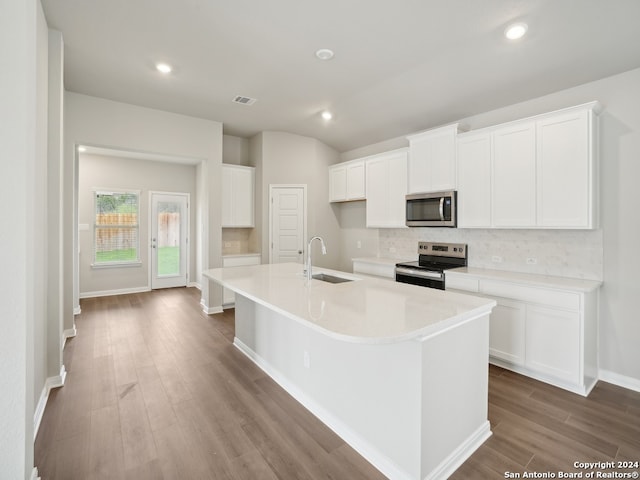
x: 415, y: 408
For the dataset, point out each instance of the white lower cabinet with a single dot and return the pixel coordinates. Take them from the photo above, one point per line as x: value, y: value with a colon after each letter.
x: 542, y: 327
x: 507, y: 331
x: 553, y: 342
x: 228, y: 297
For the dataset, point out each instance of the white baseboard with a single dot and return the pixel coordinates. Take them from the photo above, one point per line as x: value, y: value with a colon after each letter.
x: 619, y: 380
x: 50, y: 383
x: 461, y: 454
x: 34, y: 474
x: 68, y: 333
x: 108, y: 293
x: 77, y: 310
x: 195, y: 284
x: 210, y: 310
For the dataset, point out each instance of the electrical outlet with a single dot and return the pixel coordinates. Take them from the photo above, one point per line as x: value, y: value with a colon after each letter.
x: 496, y: 259
x: 532, y: 261
x: 306, y: 360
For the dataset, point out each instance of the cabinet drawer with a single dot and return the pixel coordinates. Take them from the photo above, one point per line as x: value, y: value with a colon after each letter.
x: 462, y: 283
x: 543, y: 296
x: 240, y: 261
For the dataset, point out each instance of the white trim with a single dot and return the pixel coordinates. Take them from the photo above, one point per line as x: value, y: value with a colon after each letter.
x: 461, y: 454
x: 34, y: 474
x: 68, y: 333
x: 304, y: 226
x: 119, y: 291
x: 619, y: 380
x: 210, y: 310
x: 195, y: 284
x: 50, y: 383
x: 77, y: 310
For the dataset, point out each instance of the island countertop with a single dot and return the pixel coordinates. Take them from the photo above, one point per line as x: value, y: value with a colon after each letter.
x: 364, y: 310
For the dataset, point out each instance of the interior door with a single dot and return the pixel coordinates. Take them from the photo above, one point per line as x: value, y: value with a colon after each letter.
x: 169, y: 239
x: 287, y: 215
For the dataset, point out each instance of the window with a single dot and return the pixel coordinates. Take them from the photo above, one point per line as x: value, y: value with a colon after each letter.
x: 116, y: 228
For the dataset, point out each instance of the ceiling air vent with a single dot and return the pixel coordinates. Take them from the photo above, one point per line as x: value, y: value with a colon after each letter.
x: 244, y: 100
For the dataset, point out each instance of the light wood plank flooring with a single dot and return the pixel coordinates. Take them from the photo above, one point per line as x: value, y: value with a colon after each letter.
x: 155, y: 390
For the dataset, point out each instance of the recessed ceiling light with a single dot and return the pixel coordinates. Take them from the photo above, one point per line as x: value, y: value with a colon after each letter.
x: 82, y: 149
x: 327, y: 115
x: 515, y: 31
x: 324, y: 54
x: 163, y: 68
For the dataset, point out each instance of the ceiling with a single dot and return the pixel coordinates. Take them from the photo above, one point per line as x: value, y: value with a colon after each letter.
x: 399, y: 67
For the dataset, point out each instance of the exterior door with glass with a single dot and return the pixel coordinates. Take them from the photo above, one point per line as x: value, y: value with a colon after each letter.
x: 169, y: 239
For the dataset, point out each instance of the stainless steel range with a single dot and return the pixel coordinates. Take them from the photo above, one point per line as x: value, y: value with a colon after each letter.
x: 433, y: 260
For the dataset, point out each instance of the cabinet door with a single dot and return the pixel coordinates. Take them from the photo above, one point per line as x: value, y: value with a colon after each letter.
x: 565, y: 171
x: 243, y: 197
x: 474, y: 181
x: 337, y: 183
x: 507, y: 331
x: 397, y: 191
x: 377, y: 186
x: 432, y: 162
x: 227, y: 196
x: 514, y: 176
x: 355, y: 188
x: 553, y: 342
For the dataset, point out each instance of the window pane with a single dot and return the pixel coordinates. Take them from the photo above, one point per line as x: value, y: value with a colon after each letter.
x: 116, y: 227
x: 168, y: 238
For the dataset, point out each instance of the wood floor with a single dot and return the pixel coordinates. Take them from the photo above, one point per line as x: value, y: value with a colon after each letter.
x: 155, y: 390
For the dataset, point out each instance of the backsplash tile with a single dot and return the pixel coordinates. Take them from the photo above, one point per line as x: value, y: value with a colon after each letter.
x: 564, y: 253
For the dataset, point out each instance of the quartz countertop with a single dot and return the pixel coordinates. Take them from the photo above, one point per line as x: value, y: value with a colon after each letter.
x: 365, y: 310
x: 531, y: 279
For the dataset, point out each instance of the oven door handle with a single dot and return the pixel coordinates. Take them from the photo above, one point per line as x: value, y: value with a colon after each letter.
x: 441, y: 208
x: 419, y: 273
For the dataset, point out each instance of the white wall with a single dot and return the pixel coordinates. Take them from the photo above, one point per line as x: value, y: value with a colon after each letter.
x: 104, y: 123
x: 23, y: 36
x: 613, y: 250
x: 285, y: 158
x: 118, y: 173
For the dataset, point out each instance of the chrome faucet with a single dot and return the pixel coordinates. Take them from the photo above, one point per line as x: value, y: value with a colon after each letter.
x: 324, y: 252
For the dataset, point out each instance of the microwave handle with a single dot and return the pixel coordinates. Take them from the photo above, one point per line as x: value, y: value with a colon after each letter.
x: 442, y: 208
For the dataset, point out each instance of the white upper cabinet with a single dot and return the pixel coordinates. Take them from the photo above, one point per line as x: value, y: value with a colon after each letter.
x: 514, y: 176
x: 533, y: 173
x: 432, y: 160
x: 474, y: 180
x: 386, y: 189
x: 347, y: 181
x: 565, y: 146
x: 238, y: 193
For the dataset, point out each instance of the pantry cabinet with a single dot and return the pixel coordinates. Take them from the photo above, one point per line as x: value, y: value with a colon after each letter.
x: 543, y: 327
x: 386, y: 186
x: 347, y: 181
x: 432, y: 160
x: 238, y: 194
x: 533, y: 173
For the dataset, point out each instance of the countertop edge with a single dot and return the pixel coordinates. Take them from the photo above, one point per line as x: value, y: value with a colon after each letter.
x: 528, y: 279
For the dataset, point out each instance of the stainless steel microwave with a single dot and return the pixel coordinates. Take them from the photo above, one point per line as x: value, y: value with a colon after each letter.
x: 437, y: 209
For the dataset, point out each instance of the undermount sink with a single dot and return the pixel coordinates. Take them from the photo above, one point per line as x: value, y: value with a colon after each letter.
x: 330, y: 278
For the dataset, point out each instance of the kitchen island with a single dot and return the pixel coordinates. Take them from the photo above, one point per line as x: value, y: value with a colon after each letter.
x: 398, y: 371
